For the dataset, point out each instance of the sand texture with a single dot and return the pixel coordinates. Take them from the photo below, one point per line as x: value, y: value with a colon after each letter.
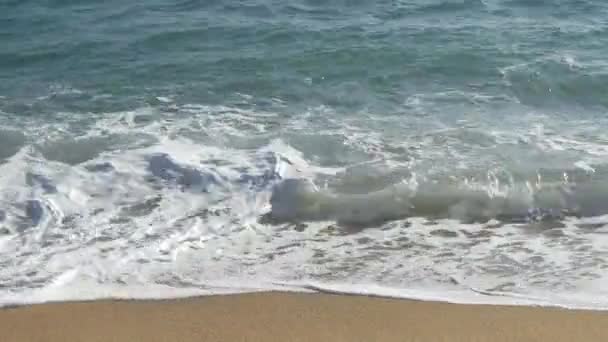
x: 295, y: 317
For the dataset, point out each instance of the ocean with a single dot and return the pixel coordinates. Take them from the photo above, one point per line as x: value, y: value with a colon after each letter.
x: 450, y: 150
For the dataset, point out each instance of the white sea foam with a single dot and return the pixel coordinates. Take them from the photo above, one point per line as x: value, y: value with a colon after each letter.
x: 196, y: 200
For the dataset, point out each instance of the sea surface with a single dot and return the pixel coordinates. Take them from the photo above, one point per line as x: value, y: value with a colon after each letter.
x: 452, y: 150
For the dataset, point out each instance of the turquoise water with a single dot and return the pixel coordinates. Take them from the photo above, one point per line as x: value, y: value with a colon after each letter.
x: 457, y: 147
x: 350, y: 55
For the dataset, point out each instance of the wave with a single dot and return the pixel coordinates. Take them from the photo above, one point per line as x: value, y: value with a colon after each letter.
x: 558, y: 79
x: 299, y: 199
x: 186, y: 195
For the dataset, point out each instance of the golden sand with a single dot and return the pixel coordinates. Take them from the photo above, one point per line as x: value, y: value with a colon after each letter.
x: 296, y: 317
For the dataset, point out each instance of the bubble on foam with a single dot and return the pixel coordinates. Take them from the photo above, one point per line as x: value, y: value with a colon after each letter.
x: 571, y: 61
x: 164, y: 99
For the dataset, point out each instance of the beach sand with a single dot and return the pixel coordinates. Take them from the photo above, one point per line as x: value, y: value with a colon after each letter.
x: 274, y: 316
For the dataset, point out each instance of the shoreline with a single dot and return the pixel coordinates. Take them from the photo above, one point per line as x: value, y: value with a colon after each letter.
x: 291, y: 316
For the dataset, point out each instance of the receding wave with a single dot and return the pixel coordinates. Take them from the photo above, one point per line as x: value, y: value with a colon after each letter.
x: 181, y: 195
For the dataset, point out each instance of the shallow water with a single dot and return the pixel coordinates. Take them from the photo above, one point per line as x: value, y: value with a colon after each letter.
x: 439, y: 149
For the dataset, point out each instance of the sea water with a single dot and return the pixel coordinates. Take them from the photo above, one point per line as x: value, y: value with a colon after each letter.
x: 437, y: 149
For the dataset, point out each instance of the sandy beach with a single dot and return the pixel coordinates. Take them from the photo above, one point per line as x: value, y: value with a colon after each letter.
x: 296, y: 317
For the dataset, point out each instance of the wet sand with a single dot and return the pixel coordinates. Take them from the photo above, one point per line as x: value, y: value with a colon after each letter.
x: 273, y: 316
